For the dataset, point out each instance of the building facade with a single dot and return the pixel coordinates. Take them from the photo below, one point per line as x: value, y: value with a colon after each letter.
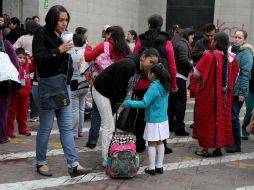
x: 228, y: 15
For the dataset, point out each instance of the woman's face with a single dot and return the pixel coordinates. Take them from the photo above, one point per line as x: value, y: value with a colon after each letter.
x: 85, y: 36
x: 62, y: 22
x: 239, y: 38
x: 129, y: 36
x: 147, y: 62
x: 191, y: 38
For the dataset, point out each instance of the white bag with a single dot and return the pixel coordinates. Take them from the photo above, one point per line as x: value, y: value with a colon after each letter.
x: 9, y: 75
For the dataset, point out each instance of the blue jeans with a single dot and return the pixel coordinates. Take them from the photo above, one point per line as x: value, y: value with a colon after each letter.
x: 78, y: 108
x: 236, y: 108
x: 95, y: 125
x: 64, y: 121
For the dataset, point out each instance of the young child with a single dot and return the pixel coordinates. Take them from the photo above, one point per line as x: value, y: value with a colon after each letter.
x: 155, y: 102
x: 20, y: 99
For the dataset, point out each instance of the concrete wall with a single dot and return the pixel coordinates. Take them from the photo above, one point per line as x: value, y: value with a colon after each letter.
x: 230, y: 15
x: 94, y: 14
x: 20, y: 8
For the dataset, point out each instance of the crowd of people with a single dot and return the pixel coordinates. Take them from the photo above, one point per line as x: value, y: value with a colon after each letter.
x: 156, y: 66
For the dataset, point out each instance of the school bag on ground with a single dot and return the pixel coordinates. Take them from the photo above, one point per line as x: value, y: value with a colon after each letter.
x: 122, y: 161
x: 101, y: 62
x: 9, y: 75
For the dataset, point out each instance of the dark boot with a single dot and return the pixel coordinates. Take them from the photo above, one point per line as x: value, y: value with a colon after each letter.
x: 167, y: 149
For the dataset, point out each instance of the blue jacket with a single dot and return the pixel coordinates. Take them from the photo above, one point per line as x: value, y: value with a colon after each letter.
x: 244, y: 56
x: 155, y: 102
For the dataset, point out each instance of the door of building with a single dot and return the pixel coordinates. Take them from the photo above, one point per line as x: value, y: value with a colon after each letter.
x: 194, y: 13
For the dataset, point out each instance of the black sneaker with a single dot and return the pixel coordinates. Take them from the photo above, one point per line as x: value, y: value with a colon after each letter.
x: 245, y: 138
x: 92, y: 146
x: 168, y: 150
x: 159, y: 170
x: 150, y: 172
x: 233, y: 149
x: 74, y: 172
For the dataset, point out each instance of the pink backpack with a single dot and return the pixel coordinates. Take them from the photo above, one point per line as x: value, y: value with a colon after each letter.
x: 122, y: 161
x: 100, y: 63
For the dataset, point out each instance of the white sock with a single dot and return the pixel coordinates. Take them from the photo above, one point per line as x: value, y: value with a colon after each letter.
x: 151, y: 156
x: 160, y: 157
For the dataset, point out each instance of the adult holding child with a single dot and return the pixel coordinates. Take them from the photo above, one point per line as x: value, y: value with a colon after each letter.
x: 111, y: 86
x: 51, y: 59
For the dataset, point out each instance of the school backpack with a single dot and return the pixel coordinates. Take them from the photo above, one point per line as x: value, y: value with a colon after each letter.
x: 122, y: 161
x: 101, y: 62
x: 9, y: 75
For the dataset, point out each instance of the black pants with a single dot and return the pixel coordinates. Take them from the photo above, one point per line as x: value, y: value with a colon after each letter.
x: 140, y: 123
x: 177, y: 107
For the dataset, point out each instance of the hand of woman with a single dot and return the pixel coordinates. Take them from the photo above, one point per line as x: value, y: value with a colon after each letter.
x: 241, y: 98
x: 66, y: 46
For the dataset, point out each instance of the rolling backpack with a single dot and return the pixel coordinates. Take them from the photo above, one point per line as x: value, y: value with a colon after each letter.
x: 122, y: 161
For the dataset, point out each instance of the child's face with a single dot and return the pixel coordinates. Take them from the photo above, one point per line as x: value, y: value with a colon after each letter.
x: 21, y: 59
x: 151, y: 76
x: 85, y: 36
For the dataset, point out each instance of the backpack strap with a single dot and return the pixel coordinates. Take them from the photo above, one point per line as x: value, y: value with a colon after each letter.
x: 106, y: 48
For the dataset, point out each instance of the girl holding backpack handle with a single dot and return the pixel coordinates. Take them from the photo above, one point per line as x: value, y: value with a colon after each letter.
x: 155, y: 102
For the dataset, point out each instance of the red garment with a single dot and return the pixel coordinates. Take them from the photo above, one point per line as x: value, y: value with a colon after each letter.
x: 91, y: 54
x: 18, y: 107
x: 143, y: 83
x: 24, y: 76
x: 213, y: 118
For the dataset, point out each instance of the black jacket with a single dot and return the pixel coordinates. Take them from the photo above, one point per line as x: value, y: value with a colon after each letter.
x: 14, y: 35
x: 47, y: 57
x: 200, y: 46
x: 113, y: 81
x: 182, y: 56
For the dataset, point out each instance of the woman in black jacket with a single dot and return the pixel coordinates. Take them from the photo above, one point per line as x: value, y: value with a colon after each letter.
x: 111, y: 87
x: 51, y: 59
x: 177, y: 105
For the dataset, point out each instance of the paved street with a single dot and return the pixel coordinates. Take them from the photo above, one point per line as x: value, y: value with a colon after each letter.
x: 183, y: 169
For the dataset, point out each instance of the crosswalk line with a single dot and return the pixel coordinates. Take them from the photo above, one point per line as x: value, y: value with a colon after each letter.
x: 98, y: 176
x: 55, y: 152
x: 56, y: 132
x: 246, y: 188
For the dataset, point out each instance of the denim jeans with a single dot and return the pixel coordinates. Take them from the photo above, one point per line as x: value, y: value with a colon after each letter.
x: 78, y: 108
x: 236, y: 108
x: 35, y: 96
x: 249, y: 107
x: 94, y: 131
x: 64, y: 121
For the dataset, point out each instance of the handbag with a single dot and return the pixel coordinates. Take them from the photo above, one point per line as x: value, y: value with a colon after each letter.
x: 127, y: 117
x: 53, y: 93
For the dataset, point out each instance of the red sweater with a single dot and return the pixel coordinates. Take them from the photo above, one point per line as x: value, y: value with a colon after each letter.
x: 92, y: 54
x: 144, y: 84
x: 24, y: 76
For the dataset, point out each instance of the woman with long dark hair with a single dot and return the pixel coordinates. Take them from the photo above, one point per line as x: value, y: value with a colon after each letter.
x: 217, y: 70
x: 51, y: 59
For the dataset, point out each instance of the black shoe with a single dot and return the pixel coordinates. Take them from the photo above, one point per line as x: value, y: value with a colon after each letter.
x: 184, y: 133
x: 168, y: 150
x: 233, y: 149
x: 217, y: 152
x: 159, y: 170
x: 74, y: 172
x: 245, y: 138
x: 150, y: 172
x: 43, y: 173
x: 92, y: 146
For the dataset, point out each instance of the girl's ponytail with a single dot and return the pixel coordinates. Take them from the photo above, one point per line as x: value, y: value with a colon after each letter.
x: 162, y: 74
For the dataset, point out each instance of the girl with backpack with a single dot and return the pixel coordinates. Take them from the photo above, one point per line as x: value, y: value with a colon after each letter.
x: 155, y: 102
